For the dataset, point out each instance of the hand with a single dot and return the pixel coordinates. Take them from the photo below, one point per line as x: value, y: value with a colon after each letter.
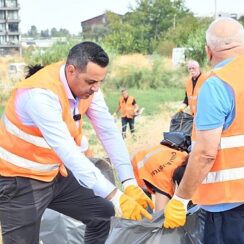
x: 135, y: 192
x: 181, y: 108
x: 127, y: 208
x: 175, y: 212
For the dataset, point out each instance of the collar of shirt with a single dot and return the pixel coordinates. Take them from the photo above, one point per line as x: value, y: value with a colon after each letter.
x: 223, y: 63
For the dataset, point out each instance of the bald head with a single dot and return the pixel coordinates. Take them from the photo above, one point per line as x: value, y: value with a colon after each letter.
x: 224, y: 33
x: 193, y: 68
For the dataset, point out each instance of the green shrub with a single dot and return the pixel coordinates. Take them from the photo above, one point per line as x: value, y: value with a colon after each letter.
x: 154, y: 76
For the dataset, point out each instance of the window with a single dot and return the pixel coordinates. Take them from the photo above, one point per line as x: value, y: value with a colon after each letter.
x: 13, y: 39
x: 1, y: 3
x: 2, y: 27
x: 13, y: 27
x: 13, y: 15
x: 2, y: 40
x: 11, y: 3
x: 2, y: 14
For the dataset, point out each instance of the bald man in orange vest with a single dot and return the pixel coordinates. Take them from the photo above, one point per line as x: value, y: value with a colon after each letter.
x: 193, y: 84
x: 214, y: 176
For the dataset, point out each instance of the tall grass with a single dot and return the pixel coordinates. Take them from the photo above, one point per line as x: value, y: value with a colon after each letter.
x: 151, y: 99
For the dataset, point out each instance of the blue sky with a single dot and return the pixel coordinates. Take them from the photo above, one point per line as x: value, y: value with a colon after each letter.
x: 68, y: 14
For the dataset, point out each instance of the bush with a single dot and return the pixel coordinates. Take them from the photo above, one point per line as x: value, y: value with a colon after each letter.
x: 154, y: 74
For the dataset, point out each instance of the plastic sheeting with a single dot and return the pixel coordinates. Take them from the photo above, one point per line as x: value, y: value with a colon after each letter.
x: 57, y: 228
x: 144, y: 232
x: 181, y: 122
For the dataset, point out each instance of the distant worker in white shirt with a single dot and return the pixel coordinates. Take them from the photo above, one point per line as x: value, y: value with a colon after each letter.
x: 41, y: 162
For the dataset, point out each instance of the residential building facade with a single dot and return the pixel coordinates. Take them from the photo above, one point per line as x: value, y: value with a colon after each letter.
x: 9, y: 27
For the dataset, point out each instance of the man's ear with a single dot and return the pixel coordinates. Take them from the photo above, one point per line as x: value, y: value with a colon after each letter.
x: 70, y: 69
x: 209, y: 53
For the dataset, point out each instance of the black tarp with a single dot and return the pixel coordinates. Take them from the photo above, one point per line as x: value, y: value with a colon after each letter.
x: 144, y: 232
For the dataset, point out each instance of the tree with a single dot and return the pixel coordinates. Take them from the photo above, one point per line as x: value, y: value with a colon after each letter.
x: 54, y: 32
x: 146, y: 24
x: 33, y: 31
x: 196, y: 42
x: 45, y: 33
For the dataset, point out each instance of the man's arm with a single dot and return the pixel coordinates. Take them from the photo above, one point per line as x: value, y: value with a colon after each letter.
x: 110, y: 136
x: 47, y: 116
x: 200, y: 161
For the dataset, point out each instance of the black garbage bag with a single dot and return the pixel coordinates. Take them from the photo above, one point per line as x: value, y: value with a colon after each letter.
x: 181, y: 122
x: 145, y: 232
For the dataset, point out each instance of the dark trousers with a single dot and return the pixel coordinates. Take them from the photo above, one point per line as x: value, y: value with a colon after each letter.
x: 125, y: 121
x: 225, y: 227
x: 23, y: 201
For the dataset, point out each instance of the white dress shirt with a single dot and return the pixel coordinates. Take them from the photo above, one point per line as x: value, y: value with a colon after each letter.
x: 41, y: 108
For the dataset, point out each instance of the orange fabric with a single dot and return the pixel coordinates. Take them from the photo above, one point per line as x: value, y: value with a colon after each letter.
x: 127, y: 108
x: 156, y: 165
x: 232, y: 157
x: 192, y: 94
x: 46, y: 78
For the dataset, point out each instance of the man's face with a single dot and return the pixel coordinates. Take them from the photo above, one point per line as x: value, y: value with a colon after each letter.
x: 125, y: 93
x: 193, y: 70
x: 84, y: 84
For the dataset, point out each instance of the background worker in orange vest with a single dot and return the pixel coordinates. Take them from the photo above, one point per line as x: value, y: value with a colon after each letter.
x: 154, y: 167
x: 193, y: 85
x: 214, y: 176
x: 41, y: 163
x: 128, y: 108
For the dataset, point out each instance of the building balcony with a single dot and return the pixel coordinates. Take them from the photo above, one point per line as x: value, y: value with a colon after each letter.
x: 13, y: 33
x: 9, y: 20
x: 10, y: 7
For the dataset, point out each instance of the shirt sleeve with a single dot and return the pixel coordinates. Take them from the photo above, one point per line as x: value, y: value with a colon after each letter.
x: 110, y: 136
x: 215, y: 105
x: 44, y: 109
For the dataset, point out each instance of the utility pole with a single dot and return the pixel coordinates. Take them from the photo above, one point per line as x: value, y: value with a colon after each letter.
x: 215, y: 9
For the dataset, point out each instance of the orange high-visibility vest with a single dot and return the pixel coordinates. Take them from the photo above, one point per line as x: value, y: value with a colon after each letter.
x: 127, y: 108
x: 156, y: 165
x: 225, y: 181
x: 192, y: 94
x: 23, y: 150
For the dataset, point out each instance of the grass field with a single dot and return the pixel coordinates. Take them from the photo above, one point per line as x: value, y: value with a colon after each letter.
x: 152, y: 100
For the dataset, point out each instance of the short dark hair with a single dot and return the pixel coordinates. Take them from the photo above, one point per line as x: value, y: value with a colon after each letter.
x: 32, y: 69
x: 85, y: 52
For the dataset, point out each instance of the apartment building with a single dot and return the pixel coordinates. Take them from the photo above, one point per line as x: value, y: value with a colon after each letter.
x: 9, y: 27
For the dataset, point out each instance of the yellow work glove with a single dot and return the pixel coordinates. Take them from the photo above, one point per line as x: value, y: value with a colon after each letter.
x: 126, y: 207
x: 175, y: 212
x: 132, y: 190
x: 181, y: 108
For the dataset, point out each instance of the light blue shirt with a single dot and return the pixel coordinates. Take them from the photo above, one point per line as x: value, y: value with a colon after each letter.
x: 41, y: 108
x: 215, y: 108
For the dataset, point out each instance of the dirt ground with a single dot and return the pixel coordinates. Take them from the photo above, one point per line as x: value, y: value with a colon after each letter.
x: 149, y: 130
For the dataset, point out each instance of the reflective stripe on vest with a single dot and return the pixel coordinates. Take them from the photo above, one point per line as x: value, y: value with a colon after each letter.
x: 224, y: 175
x: 25, y: 163
x: 232, y: 141
x: 228, y: 142
x: 141, y: 163
x: 35, y: 140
